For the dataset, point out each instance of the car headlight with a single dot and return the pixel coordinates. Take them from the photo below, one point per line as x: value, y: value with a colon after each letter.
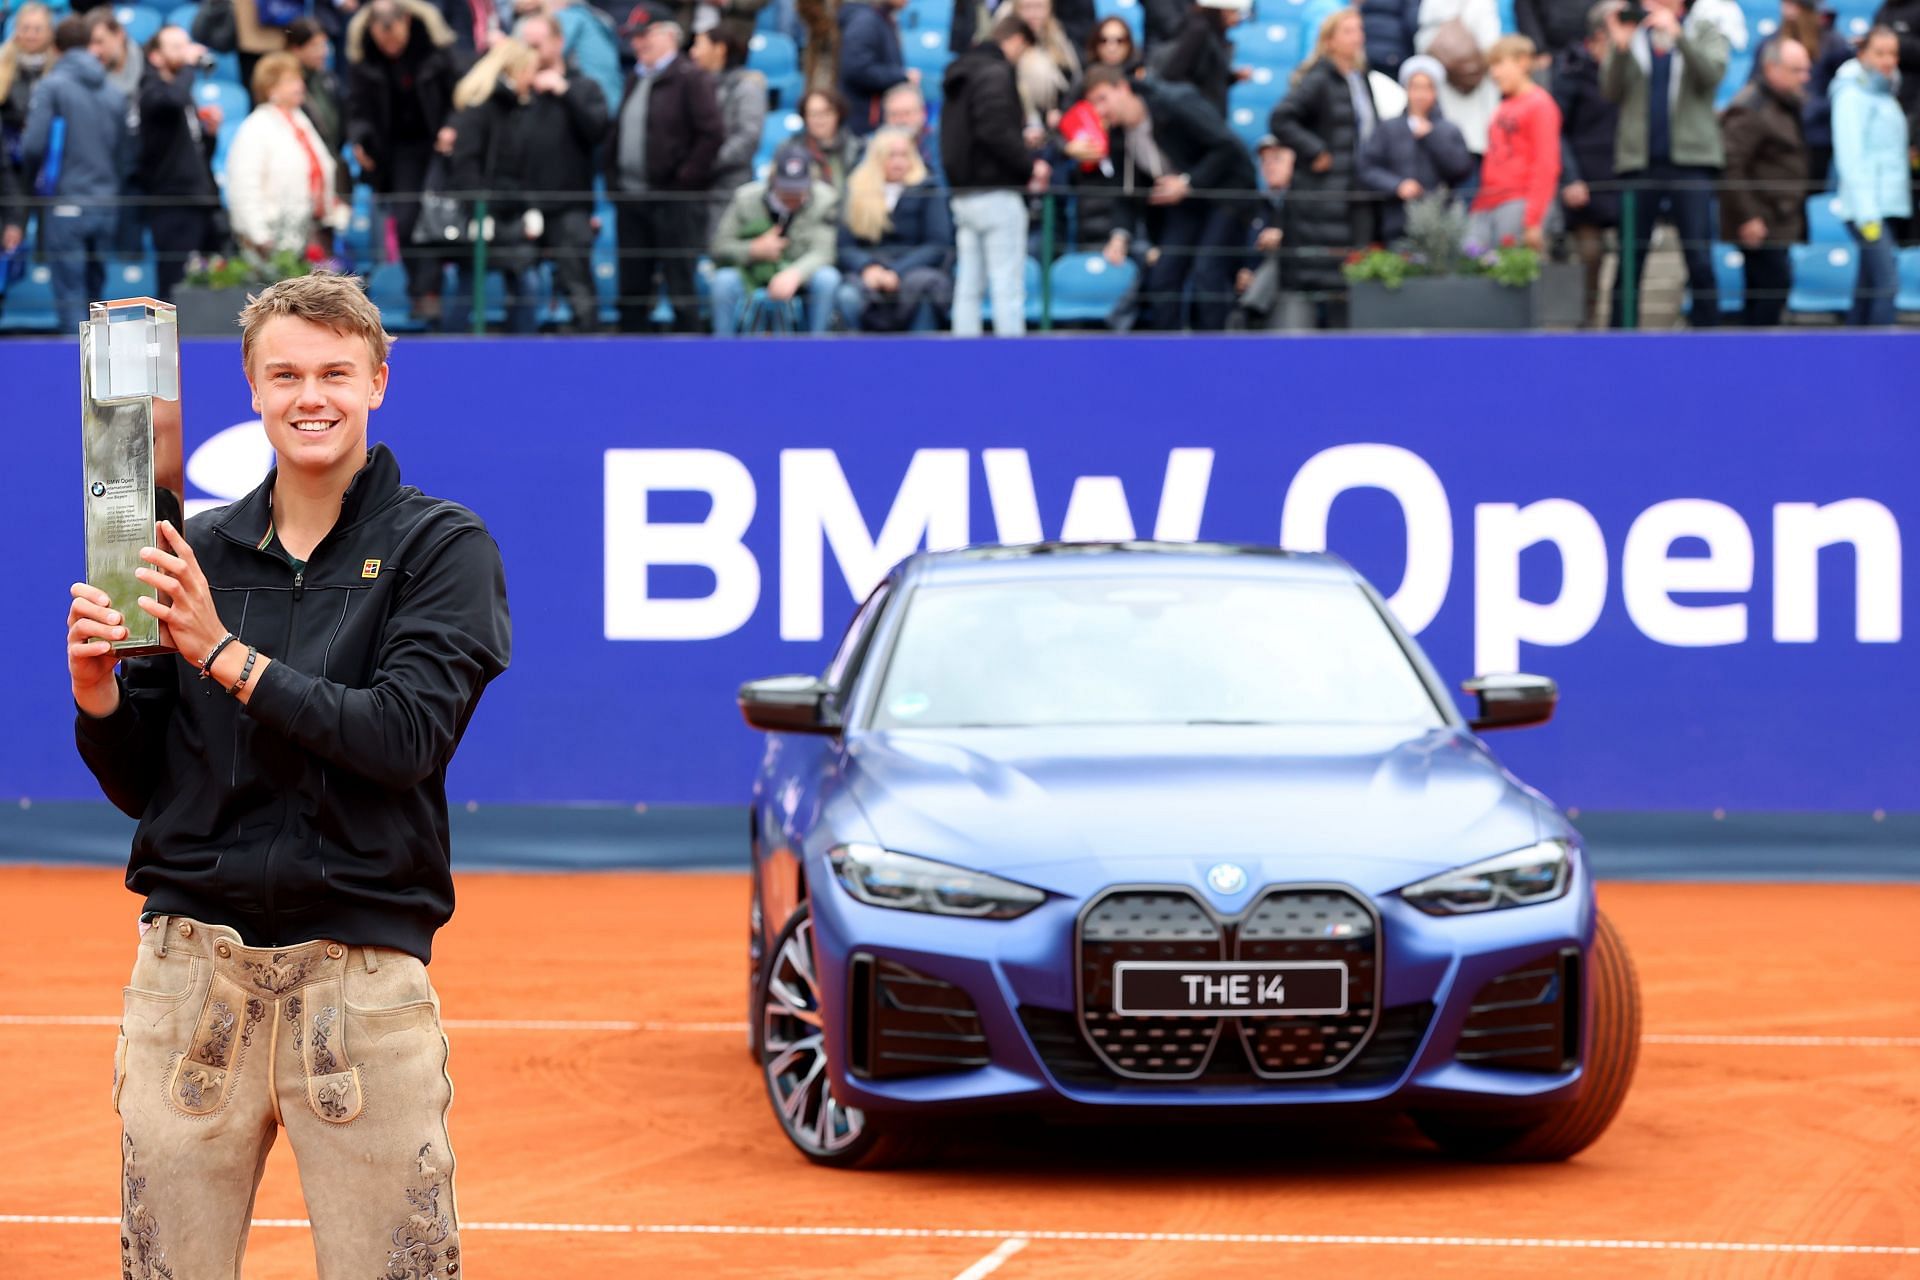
x: 882, y: 878
x: 1518, y: 879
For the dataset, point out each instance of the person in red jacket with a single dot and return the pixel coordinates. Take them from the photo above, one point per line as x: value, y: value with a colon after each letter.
x: 1521, y: 171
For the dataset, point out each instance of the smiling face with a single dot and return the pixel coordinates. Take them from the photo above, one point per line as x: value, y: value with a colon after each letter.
x: 313, y: 387
x: 1114, y: 44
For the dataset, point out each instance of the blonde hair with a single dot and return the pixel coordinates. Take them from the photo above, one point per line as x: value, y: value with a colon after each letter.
x: 508, y: 57
x: 272, y: 69
x: 1324, y: 40
x: 867, y: 215
x: 324, y: 298
x: 1511, y: 47
x: 10, y: 51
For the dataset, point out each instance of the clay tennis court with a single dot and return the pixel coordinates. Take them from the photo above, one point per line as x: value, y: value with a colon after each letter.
x: 609, y: 1122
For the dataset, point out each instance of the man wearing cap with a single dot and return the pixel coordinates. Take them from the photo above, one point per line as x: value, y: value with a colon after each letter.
x: 778, y: 236
x: 665, y: 137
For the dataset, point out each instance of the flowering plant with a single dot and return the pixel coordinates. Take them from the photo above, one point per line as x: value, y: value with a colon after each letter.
x: 1436, y: 244
x: 242, y: 271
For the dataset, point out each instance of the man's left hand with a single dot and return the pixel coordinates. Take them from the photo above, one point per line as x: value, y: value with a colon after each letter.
x: 549, y: 82
x: 443, y: 141
x: 1536, y: 239
x: 1171, y: 189
x: 189, y: 623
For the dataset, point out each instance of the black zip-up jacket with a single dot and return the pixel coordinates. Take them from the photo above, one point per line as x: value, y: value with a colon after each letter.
x: 176, y: 154
x: 318, y: 809
x: 982, y: 127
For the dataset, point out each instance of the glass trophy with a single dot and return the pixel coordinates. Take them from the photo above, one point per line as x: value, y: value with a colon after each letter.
x: 130, y: 421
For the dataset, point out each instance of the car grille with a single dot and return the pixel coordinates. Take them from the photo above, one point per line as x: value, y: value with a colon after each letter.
x: 1527, y: 1019
x: 1284, y: 924
x: 905, y: 1023
x: 1069, y: 1059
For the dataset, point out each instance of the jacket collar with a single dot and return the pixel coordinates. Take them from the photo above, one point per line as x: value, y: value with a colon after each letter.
x: 371, y: 488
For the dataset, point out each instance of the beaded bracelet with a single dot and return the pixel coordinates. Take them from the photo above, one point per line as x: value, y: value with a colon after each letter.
x: 241, y: 683
x: 206, y: 668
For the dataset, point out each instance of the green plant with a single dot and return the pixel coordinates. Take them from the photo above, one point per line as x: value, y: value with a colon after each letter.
x: 239, y: 271
x: 1436, y: 244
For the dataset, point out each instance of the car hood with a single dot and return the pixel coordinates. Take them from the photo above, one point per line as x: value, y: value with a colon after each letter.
x: 1068, y: 809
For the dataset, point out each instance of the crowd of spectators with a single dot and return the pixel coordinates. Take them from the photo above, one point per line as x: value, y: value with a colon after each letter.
x: 1573, y: 137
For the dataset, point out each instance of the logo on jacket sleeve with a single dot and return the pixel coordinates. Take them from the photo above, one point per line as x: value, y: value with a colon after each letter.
x: 371, y: 569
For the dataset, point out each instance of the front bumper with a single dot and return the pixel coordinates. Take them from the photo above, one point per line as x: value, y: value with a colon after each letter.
x: 1424, y: 1048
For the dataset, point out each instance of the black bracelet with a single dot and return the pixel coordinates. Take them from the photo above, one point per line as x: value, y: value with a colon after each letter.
x: 241, y: 683
x: 206, y: 668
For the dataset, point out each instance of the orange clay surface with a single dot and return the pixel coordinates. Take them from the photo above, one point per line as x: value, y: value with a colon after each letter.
x: 1795, y: 1145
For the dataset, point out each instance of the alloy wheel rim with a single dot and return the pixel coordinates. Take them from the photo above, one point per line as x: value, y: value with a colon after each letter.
x: 793, y: 1052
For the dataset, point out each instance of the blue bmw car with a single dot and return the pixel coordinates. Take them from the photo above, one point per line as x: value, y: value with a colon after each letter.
x: 1097, y: 828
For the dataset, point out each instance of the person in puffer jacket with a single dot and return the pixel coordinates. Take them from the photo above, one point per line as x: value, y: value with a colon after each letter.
x: 1870, y: 153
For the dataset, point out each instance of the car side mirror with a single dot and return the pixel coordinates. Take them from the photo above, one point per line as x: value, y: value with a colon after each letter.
x: 788, y: 704
x: 1510, y: 701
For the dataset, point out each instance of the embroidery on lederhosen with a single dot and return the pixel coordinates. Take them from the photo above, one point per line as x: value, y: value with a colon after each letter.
x: 202, y: 1075
x: 256, y: 1010
x: 279, y: 975
x: 425, y: 1246
x: 141, y: 1257
x: 333, y: 1082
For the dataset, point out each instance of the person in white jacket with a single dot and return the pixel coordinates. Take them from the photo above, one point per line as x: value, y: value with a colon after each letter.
x: 280, y: 192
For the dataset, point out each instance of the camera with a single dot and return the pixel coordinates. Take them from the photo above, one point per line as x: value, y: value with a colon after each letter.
x: 1634, y: 14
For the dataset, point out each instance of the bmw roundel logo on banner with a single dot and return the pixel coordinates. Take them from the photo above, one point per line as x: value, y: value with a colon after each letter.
x: 98, y: 490
x: 1225, y: 877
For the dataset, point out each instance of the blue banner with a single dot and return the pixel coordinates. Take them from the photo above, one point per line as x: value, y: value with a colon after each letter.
x: 1702, y: 539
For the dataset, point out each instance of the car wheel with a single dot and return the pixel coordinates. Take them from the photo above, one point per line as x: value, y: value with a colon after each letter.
x: 794, y: 1060
x: 1609, y: 1070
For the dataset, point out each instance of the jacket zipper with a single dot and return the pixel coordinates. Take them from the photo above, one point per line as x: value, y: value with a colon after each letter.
x: 266, y: 868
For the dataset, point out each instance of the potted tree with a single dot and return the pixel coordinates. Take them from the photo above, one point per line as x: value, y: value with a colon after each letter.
x: 1435, y: 278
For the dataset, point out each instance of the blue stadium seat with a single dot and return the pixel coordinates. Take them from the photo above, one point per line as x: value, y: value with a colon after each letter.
x: 773, y: 54
x: 1852, y: 18
x: 228, y: 96
x: 1312, y: 14
x: 1739, y: 68
x: 1908, y: 298
x: 927, y: 50
x: 182, y: 15
x: 129, y: 278
x: 1730, y: 276
x: 28, y: 305
x: 606, y: 283
x: 1824, y: 224
x: 1131, y: 12
x: 1086, y: 287
x: 1823, y: 279
x: 140, y: 21
x: 1033, y: 297
x: 1251, y: 102
x: 226, y: 66
x: 921, y: 16
x: 780, y: 126
x: 387, y: 286
x: 1267, y: 44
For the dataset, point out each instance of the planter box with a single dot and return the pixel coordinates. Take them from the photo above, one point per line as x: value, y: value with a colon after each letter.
x: 209, y: 313
x: 1466, y: 302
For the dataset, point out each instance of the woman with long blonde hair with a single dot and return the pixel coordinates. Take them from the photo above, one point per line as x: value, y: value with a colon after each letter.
x: 494, y: 134
x: 509, y: 62
x: 1327, y: 114
x: 896, y: 241
x: 24, y: 58
x: 1049, y: 72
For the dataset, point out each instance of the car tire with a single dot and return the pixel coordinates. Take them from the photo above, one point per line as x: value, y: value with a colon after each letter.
x: 791, y: 1044
x: 1610, y: 1061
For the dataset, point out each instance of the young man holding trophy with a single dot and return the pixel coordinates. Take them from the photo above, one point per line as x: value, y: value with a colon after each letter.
x: 326, y: 639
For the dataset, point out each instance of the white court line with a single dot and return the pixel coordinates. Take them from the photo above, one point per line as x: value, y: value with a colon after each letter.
x: 664, y: 1027
x: 1088, y: 1237
x: 993, y: 1261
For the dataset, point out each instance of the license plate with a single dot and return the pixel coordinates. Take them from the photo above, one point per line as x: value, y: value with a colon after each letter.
x: 1183, y: 989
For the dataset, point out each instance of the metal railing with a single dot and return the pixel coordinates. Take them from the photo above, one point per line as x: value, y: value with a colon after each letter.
x: 507, y: 281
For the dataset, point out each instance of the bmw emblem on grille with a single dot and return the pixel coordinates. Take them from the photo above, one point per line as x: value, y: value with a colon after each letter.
x: 1226, y: 878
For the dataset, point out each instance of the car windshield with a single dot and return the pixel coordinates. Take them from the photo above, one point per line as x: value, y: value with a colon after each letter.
x: 1122, y: 650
